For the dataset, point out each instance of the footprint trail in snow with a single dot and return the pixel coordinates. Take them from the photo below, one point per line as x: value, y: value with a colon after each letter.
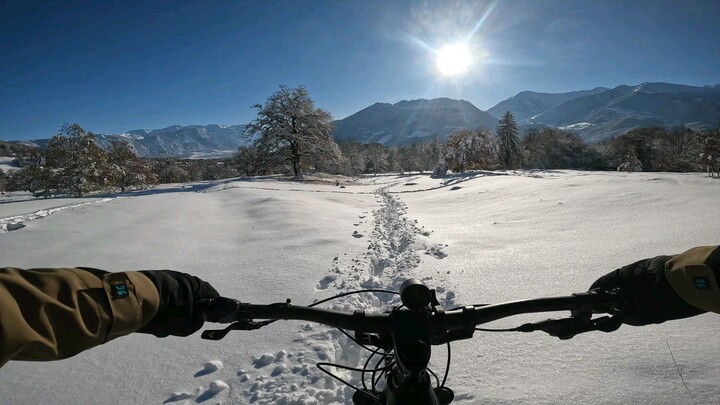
x: 396, y: 245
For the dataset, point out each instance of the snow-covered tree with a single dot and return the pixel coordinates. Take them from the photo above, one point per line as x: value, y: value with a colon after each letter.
x: 356, y: 158
x: 290, y: 123
x: 77, y: 163
x: 250, y: 160
x: 126, y: 168
x: 377, y: 155
x: 173, y: 174
x: 441, y: 168
x: 470, y: 149
x: 393, y: 160
x: 631, y: 162
x: 435, y: 152
x: 325, y: 157
x: 710, y: 156
x: 37, y: 179
x: 509, y: 141
x: 420, y: 156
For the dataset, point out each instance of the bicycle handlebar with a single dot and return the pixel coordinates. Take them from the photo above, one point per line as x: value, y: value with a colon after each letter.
x: 409, y: 332
x: 225, y: 310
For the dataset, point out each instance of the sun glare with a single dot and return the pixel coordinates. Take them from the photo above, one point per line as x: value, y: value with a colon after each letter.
x: 453, y: 59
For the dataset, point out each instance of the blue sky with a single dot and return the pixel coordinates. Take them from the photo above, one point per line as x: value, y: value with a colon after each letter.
x: 115, y: 66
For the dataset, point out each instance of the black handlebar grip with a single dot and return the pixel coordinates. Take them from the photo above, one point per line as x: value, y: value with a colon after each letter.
x: 222, y: 310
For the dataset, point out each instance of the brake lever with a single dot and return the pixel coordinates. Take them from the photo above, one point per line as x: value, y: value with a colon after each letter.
x: 232, y: 311
x: 217, y: 334
x: 567, y: 328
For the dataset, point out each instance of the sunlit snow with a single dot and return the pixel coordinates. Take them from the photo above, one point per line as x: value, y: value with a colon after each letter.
x: 7, y: 164
x: 482, y: 237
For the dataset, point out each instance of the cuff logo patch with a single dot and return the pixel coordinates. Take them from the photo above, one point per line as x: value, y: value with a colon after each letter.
x: 701, y: 283
x: 120, y: 290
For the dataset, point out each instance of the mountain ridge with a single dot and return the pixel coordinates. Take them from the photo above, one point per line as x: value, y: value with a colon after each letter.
x: 411, y: 120
x: 190, y: 141
x: 527, y: 104
x: 594, y: 114
x: 625, y: 107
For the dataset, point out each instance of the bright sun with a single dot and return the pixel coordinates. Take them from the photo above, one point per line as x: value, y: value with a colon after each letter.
x: 453, y: 59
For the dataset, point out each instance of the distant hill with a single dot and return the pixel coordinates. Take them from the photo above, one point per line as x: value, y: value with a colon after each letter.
x: 409, y: 121
x: 615, y: 111
x: 14, y: 148
x: 528, y: 104
x: 192, y: 141
x: 594, y: 114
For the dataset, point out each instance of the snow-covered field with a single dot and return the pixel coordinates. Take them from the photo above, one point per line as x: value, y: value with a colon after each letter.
x: 479, y: 238
x: 7, y: 163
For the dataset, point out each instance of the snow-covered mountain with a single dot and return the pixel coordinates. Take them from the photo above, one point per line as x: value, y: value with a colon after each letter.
x: 594, y: 114
x: 181, y: 141
x: 614, y: 111
x: 527, y: 104
x: 408, y: 121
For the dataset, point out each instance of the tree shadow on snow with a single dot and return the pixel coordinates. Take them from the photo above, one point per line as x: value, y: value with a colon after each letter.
x: 195, y: 187
x: 538, y: 173
x: 457, y: 178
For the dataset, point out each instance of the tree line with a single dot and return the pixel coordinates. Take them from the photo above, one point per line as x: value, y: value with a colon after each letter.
x: 73, y: 164
x: 291, y: 136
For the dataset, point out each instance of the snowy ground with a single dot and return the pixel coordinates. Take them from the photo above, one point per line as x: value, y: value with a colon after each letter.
x: 480, y: 238
x: 7, y: 163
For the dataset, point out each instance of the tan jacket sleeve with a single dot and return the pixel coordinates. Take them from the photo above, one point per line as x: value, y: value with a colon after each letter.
x: 51, y: 314
x: 694, y: 275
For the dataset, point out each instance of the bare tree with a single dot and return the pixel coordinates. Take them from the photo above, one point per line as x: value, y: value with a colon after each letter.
x: 250, y: 160
x: 290, y: 123
x: 377, y: 157
x: 356, y: 157
x: 553, y: 148
x: 677, y: 149
x: 710, y: 156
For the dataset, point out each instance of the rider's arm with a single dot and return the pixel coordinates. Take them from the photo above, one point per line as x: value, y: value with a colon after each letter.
x: 694, y: 276
x: 668, y: 287
x: 50, y: 314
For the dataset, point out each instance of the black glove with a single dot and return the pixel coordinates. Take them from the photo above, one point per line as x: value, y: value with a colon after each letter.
x: 649, y: 296
x: 184, y: 299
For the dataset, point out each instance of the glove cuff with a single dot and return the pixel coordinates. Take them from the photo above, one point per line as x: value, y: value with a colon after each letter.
x: 693, y: 276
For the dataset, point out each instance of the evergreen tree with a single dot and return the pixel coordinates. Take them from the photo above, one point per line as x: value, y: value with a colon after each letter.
x: 507, y: 135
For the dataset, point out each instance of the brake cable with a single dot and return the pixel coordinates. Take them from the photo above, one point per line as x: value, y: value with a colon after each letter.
x: 581, y: 320
x: 231, y: 307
